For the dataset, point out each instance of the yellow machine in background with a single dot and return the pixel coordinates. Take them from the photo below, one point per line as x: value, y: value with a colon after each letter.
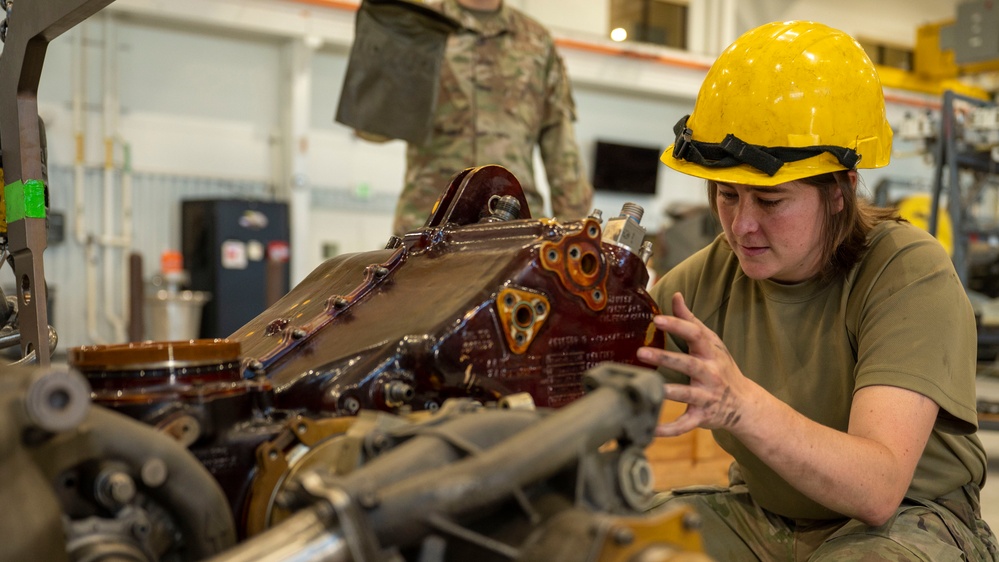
x: 916, y: 209
x: 935, y: 61
x: 953, y: 55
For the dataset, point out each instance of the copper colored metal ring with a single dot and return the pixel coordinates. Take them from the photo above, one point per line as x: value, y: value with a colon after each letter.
x: 154, y: 355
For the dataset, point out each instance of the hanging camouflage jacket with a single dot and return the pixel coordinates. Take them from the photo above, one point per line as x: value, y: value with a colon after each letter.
x: 503, y: 90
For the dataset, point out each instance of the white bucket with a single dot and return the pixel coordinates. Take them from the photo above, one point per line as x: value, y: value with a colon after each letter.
x: 172, y: 316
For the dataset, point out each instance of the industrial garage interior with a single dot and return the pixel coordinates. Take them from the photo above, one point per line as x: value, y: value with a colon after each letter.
x: 196, y: 177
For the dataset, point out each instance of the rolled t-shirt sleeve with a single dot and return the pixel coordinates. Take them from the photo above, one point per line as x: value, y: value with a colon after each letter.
x: 915, y: 328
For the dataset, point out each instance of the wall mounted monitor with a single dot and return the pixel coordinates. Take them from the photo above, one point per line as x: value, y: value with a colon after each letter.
x: 626, y: 168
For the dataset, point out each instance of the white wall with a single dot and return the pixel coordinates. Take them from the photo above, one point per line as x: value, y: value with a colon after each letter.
x: 892, y: 21
x: 202, y: 90
x: 889, y: 21
x: 585, y: 18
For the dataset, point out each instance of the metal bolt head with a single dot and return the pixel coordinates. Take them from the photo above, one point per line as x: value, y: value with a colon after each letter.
x: 623, y: 535
x: 254, y: 368
x: 153, y: 472
x: 114, y: 488
x: 641, y: 476
x: 122, y: 487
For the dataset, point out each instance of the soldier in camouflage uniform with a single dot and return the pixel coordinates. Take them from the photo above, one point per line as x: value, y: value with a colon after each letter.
x: 503, y: 91
x: 804, y: 335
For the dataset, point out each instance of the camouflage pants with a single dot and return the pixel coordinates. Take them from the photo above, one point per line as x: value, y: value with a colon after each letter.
x: 735, y: 528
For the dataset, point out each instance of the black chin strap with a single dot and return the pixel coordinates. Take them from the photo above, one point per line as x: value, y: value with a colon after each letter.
x: 733, y: 151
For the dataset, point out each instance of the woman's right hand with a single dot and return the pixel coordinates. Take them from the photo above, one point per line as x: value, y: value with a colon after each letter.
x: 717, y: 391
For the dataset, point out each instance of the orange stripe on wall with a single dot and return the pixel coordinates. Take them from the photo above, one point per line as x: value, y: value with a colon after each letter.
x: 617, y: 51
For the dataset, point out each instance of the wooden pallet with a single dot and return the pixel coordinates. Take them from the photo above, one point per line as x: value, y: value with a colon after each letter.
x: 686, y: 460
x: 988, y: 422
x: 695, y: 457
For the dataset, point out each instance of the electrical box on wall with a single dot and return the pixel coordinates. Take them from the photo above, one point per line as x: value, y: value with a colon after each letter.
x: 237, y: 250
x: 976, y: 32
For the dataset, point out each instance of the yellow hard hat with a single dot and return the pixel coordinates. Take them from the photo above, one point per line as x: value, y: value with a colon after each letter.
x: 785, y: 101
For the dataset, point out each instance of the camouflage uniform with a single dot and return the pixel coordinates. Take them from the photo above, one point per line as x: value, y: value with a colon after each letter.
x: 503, y: 90
x: 735, y: 527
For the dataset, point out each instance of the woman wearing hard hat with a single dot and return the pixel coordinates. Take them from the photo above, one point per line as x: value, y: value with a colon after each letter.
x: 827, y: 343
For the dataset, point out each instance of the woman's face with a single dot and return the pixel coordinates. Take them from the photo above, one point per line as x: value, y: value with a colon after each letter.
x: 775, y: 231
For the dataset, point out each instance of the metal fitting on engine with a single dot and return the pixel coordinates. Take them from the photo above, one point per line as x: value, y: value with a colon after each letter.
x: 114, y: 488
x: 517, y: 401
x: 57, y: 399
x: 501, y: 209
x: 398, y: 393
x: 646, y: 251
x: 635, y: 478
x: 626, y: 228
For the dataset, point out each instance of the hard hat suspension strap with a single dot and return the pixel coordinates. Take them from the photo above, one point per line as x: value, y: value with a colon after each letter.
x: 733, y: 151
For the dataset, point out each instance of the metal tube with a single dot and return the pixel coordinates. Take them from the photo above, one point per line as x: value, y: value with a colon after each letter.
x: 110, y: 242
x: 303, y: 537
x: 400, y: 513
x: 489, y: 477
x: 29, y: 359
x: 136, y: 298
x: 79, y: 133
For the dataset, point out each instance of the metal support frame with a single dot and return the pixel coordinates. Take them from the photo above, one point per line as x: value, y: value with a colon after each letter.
x: 30, y: 26
x: 952, y: 158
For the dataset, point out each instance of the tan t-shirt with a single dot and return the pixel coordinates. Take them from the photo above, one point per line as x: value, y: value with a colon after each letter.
x: 901, y: 317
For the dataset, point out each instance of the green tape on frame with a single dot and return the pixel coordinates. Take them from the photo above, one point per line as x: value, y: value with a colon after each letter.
x: 25, y: 200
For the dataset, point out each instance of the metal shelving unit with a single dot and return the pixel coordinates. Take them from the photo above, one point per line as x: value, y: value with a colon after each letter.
x: 957, y: 154
x: 966, y: 176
